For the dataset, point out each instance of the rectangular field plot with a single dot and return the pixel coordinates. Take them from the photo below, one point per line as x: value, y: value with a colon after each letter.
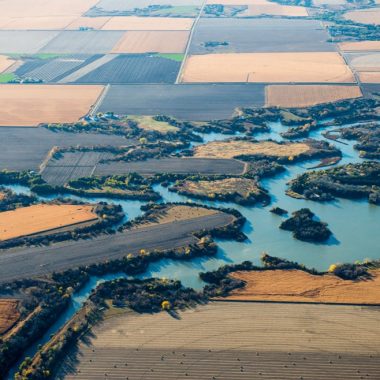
x: 26, y: 105
x: 87, y: 22
x: 134, y: 69
x: 308, y: 95
x: 369, y: 77
x: 186, y: 102
x: 152, y: 42
x: 122, y: 5
x: 364, y: 61
x: 364, y: 16
x: 82, y: 42
x: 38, y: 23
x: 360, y: 46
x: 259, y: 35
x: 5, y: 62
x: 267, y: 68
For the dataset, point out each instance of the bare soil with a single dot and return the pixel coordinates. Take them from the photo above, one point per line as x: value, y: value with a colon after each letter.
x: 9, y: 314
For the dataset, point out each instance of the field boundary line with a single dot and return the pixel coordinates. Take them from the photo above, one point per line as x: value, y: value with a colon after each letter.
x: 99, y: 101
x: 46, y: 160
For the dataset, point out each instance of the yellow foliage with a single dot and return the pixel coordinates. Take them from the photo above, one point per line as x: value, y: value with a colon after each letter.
x: 332, y: 268
x: 165, y: 305
x: 142, y: 252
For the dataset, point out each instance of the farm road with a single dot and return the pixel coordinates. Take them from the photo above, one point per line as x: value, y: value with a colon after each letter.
x: 35, y: 261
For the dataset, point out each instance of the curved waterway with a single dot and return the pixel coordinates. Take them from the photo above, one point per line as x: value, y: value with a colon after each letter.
x: 355, y: 227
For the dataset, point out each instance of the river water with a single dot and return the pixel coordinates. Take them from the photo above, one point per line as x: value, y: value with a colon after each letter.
x: 355, y: 226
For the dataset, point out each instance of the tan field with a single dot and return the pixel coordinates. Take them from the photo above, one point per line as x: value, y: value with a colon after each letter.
x: 274, y: 9
x: 2, y: 195
x: 38, y: 23
x: 30, y: 105
x: 148, y: 23
x: 35, y: 219
x: 231, y: 149
x: 360, y: 46
x: 149, y: 124
x: 305, y: 96
x: 5, y: 63
x: 152, y: 42
x: 267, y: 68
x: 365, y: 16
x: 366, y: 62
x: 88, y: 22
x: 237, y: 2
x: 9, y: 314
x: 299, y: 286
x: 369, y: 77
x: 319, y: 3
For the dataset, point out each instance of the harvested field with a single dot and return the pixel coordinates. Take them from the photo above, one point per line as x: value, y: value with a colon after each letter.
x: 36, y: 219
x: 360, y: 46
x: 273, y: 9
x: 233, y: 340
x: 148, y: 23
x: 88, y: 22
x: 25, y: 105
x: 152, y: 42
x: 364, y: 61
x: 235, y: 148
x: 82, y: 42
x: 308, y: 95
x: 134, y: 68
x: 38, y: 23
x: 300, y: 286
x: 187, y: 102
x: 259, y: 35
x: 5, y: 63
x: 369, y: 77
x: 364, y: 16
x: 267, y: 67
x: 9, y: 314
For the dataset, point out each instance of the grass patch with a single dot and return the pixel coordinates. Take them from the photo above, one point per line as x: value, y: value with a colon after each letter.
x: 7, y: 77
x: 149, y: 123
x: 178, y: 57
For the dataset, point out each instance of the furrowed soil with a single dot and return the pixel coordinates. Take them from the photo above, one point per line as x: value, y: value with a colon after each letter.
x: 9, y: 314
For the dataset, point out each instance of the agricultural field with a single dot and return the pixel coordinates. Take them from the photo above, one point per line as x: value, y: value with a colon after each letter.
x: 326, y: 67
x: 5, y: 63
x: 88, y: 22
x: 369, y: 77
x: 148, y: 123
x: 364, y: 61
x: 43, y: 218
x: 273, y: 9
x: 38, y: 23
x: 28, y: 106
x: 152, y: 42
x: 232, y: 340
x: 259, y: 35
x: 364, y: 16
x: 289, y: 96
x: 300, y: 286
x: 191, y: 102
x: 360, y: 46
x: 9, y: 314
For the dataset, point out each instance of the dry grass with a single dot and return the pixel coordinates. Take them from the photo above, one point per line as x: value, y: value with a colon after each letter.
x: 152, y: 41
x: 5, y: 63
x: 149, y: 124
x: 36, y: 219
x: 231, y: 149
x: 305, y: 95
x: 365, y: 16
x: 148, y: 23
x: 319, y: 3
x: 299, y: 286
x: 30, y: 105
x: 369, y: 77
x: 322, y: 67
x: 88, y: 22
x: 9, y: 314
x: 360, y: 46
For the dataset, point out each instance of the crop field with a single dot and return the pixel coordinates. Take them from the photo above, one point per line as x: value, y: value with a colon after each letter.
x: 259, y: 35
x: 25, y: 221
x: 186, y: 102
x: 148, y: 123
x: 321, y: 3
x: 370, y: 89
x: 173, y: 165
x: 134, y: 68
x: 235, y: 148
x: 232, y: 341
x: 38, y: 23
x: 364, y: 16
x: 360, y: 46
x: 25, y: 105
x: 267, y: 68
x: 148, y: 23
x: 152, y: 42
x: 369, y: 77
x: 24, y: 42
x: 263, y: 7
x: 364, y: 61
x: 83, y: 42
x: 308, y: 95
x: 5, y: 63
x: 9, y: 314
x: 300, y: 286
x: 88, y: 22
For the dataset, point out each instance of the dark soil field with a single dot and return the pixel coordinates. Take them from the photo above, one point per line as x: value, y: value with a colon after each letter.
x: 186, y: 102
x: 26, y: 148
x: 134, y: 68
x: 259, y: 35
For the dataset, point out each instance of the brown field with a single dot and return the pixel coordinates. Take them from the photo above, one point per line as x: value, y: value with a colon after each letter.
x: 365, y: 16
x: 35, y: 219
x: 5, y: 63
x: 152, y: 42
x: 26, y: 105
x: 233, y: 341
x: 305, y: 96
x: 9, y: 314
x: 231, y: 149
x: 360, y: 46
x: 2, y: 195
x: 148, y: 23
x: 369, y: 77
x: 299, y: 286
x: 267, y: 68
x: 88, y: 22
x: 274, y: 9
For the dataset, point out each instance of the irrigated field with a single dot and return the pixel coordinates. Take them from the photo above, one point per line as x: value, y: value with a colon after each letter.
x: 369, y: 77
x: 360, y: 46
x: 9, y: 314
x: 26, y: 105
x: 267, y: 67
x: 152, y: 42
x: 365, y: 16
x: 231, y: 341
x: 300, y: 286
x: 308, y: 95
x: 37, y: 219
